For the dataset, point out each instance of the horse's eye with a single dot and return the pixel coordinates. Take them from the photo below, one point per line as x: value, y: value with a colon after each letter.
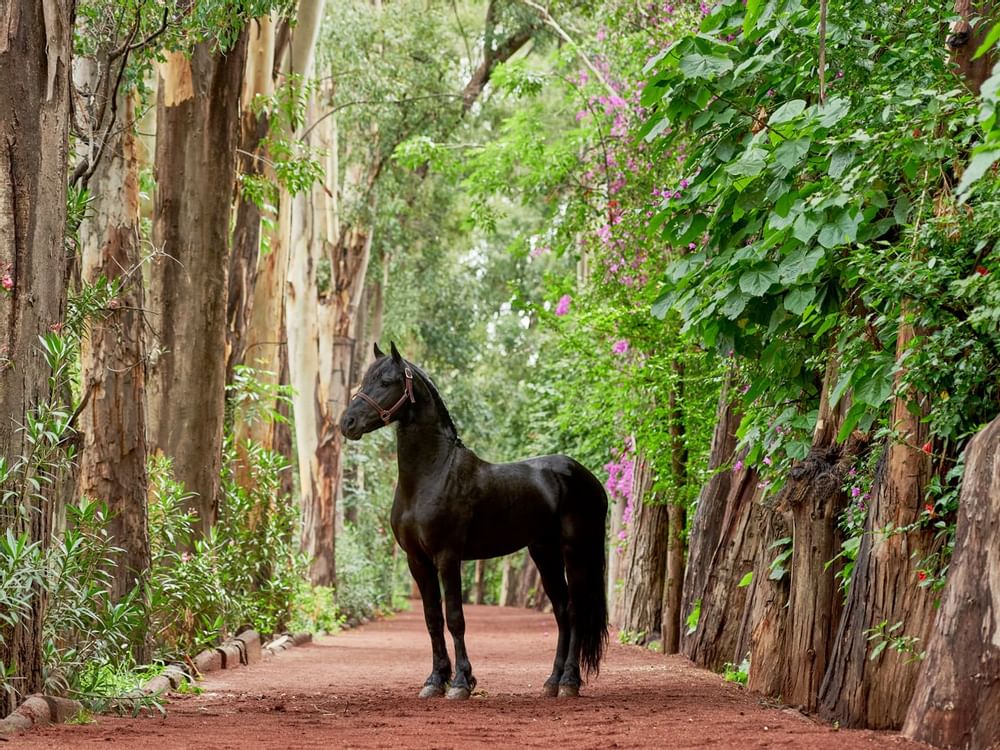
x: 387, y: 380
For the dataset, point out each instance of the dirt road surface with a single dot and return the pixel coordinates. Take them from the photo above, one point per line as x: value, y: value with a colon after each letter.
x: 358, y: 690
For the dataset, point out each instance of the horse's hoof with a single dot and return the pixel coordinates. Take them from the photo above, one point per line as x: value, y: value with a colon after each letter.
x: 550, y: 690
x: 432, y: 691
x: 569, y: 691
x: 458, y: 694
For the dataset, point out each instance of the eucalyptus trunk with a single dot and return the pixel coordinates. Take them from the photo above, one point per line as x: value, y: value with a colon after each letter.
x: 113, y: 459
x: 885, y: 607
x: 719, y: 637
x: 197, y: 125
x: 956, y: 703
x: 811, y: 501
x: 673, y: 585
x: 35, y: 48
x: 643, y: 565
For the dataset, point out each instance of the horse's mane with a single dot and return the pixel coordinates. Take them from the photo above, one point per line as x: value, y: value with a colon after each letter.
x: 438, y: 401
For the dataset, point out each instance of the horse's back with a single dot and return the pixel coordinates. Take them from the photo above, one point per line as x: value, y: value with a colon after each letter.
x: 535, y: 501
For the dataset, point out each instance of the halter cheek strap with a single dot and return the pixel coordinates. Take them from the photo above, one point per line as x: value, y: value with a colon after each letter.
x: 386, y: 415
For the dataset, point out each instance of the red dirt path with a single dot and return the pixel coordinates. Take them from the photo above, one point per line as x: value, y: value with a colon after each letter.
x: 358, y: 690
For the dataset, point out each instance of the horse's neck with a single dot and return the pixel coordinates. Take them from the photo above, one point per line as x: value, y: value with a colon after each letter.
x: 424, y: 447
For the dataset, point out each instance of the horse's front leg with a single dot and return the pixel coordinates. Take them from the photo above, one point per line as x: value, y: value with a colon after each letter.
x: 463, y: 683
x: 426, y: 576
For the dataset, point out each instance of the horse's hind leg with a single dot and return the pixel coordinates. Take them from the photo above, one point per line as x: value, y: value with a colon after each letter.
x: 426, y: 577
x: 549, y: 561
x: 463, y: 683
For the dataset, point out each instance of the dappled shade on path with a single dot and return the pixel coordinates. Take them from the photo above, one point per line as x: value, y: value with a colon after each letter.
x: 358, y: 689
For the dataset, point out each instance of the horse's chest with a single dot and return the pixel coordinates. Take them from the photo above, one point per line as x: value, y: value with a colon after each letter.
x: 428, y: 524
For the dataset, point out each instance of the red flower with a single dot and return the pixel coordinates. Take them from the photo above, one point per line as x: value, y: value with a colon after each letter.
x: 916, y: 132
x: 929, y: 508
x: 981, y: 270
x: 928, y: 447
x: 921, y: 575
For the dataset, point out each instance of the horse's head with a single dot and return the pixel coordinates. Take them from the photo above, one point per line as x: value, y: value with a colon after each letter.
x: 385, y: 389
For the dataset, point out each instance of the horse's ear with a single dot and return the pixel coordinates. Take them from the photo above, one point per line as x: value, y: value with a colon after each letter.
x: 396, y: 357
x: 378, y: 352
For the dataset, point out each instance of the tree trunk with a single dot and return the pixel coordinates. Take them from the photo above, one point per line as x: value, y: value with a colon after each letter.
x: 113, y: 459
x: 34, y: 131
x: 956, y: 703
x: 717, y: 638
x: 197, y: 129
x: 643, y: 564
x: 858, y: 690
x: 812, y: 500
x: 673, y: 587
x: 706, y: 526
x: 765, y: 615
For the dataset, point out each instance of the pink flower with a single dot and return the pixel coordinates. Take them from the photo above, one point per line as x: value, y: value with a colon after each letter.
x: 767, y: 460
x: 620, y: 346
x: 738, y: 466
x: 684, y: 184
x: 855, y: 492
x: 7, y: 281
x: 563, y: 307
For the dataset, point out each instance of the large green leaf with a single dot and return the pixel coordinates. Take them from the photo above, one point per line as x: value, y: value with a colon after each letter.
x: 752, y: 14
x: 697, y: 65
x: 759, y: 279
x: 750, y: 164
x: 832, y: 112
x: 843, y: 229
x: 806, y: 225
x: 798, y: 263
x: 790, y: 153
x: 787, y: 111
x: 798, y: 299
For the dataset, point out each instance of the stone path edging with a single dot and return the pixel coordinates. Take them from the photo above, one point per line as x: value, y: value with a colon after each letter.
x: 243, y: 650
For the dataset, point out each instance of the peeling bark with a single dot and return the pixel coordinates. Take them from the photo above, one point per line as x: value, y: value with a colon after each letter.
x: 34, y: 130
x: 113, y: 459
x: 857, y: 690
x: 956, y: 703
x: 196, y: 138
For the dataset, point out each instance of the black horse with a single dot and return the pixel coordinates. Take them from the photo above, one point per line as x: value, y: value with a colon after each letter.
x: 452, y: 506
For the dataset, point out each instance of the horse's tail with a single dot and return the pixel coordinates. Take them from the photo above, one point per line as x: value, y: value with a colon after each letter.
x: 585, y: 575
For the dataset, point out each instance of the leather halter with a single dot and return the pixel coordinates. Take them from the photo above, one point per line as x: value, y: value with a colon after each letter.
x: 387, y: 414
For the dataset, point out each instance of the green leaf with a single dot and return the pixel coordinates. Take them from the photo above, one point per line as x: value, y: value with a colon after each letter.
x: 840, y: 160
x: 754, y: 8
x: 759, y: 279
x: 798, y: 299
x: 697, y: 65
x: 806, y: 225
x: 842, y: 230
x: 662, y: 305
x: 988, y: 42
x: 876, y: 388
x: 800, y: 262
x: 832, y: 112
x: 787, y: 111
x: 750, y: 164
x: 745, y: 580
x: 734, y: 305
x: 790, y: 153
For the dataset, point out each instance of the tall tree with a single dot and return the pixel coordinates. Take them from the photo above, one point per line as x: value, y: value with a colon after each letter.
x: 113, y: 422
x: 34, y: 130
x: 957, y: 694
x: 197, y: 127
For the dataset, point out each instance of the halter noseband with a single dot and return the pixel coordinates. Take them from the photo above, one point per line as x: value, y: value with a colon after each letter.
x: 387, y: 414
